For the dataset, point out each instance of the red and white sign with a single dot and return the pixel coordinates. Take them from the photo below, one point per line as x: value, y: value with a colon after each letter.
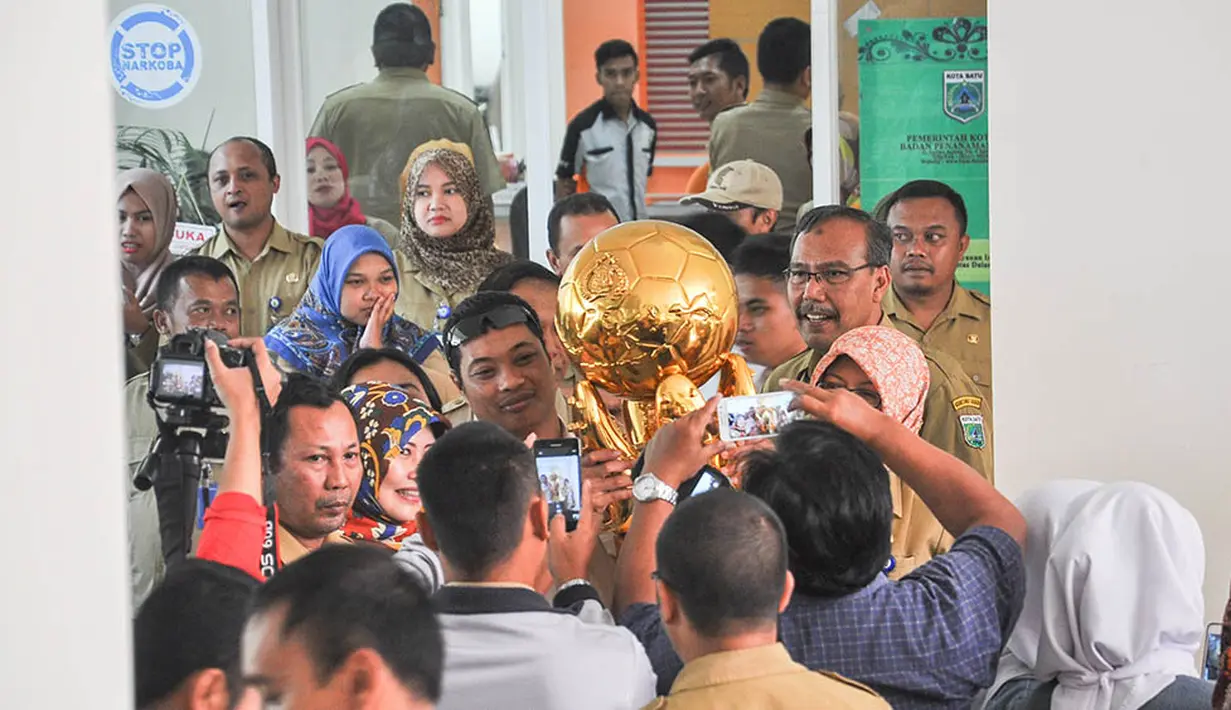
x: 190, y: 236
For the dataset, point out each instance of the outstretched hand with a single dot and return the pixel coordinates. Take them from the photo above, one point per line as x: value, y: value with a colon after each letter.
x: 842, y: 408
x: 234, y: 385
x: 568, y: 553
x: 678, y: 449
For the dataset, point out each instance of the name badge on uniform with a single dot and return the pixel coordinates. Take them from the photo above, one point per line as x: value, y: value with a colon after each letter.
x: 970, y: 418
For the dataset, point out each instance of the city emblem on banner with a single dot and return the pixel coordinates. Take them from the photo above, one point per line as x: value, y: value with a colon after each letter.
x: 155, y: 56
x: 965, y: 94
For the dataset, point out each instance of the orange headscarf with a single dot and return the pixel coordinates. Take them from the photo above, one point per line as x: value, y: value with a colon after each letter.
x: 895, y: 365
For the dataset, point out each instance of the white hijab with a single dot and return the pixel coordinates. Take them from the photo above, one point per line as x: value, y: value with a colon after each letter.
x: 1113, y: 609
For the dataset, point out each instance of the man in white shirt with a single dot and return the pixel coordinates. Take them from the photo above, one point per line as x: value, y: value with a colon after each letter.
x: 505, y: 645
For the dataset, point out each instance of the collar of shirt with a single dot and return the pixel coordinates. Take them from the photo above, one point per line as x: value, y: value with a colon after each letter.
x: 488, y: 598
x: 392, y: 73
x: 608, y: 112
x: 734, y: 666
x: 278, y: 240
x: 961, y: 303
x: 778, y: 97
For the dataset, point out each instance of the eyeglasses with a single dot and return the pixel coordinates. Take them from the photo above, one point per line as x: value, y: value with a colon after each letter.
x: 495, y: 319
x: 834, y: 275
x: 872, y: 397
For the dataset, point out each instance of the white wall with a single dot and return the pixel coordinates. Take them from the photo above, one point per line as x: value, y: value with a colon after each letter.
x: 337, y: 48
x: 226, y: 84
x: 65, y: 632
x: 1108, y: 169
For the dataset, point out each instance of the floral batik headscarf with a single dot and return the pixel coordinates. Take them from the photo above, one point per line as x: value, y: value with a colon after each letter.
x: 388, y: 419
x: 895, y: 365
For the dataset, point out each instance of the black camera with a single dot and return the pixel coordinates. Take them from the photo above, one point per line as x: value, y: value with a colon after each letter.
x: 179, y: 378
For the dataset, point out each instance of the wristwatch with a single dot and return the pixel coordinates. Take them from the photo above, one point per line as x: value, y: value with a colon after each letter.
x: 648, y: 488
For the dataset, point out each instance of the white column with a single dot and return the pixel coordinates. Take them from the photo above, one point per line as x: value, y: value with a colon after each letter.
x: 826, y: 179
x: 65, y: 637
x: 456, y: 70
x: 278, y: 74
x: 540, y: 23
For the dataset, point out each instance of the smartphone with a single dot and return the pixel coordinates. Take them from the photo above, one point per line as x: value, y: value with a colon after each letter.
x: 558, y: 462
x: 1212, y: 667
x: 757, y: 416
x: 706, y: 480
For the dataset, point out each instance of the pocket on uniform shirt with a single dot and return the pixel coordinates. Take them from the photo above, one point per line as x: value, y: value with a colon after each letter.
x: 599, y: 151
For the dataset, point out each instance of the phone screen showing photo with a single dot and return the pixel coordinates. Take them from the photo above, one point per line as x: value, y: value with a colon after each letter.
x: 558, y: 462
x: 758, y: 416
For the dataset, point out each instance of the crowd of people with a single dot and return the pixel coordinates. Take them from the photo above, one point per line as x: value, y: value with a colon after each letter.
x: 377, y: 534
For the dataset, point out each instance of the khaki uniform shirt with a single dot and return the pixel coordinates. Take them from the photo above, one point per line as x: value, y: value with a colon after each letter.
x: 270, y: 286
x: 379, y: 123
x: 146, y: 564
x: 963, y: 330
x: 770, y: 130
x: 955, y: 417
x: 763, y: 677
x: 388, y: 231
x: 426, y: 306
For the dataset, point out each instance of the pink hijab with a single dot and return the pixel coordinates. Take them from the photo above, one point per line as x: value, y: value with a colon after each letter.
x: 895, y: 365
x: 159, y: 195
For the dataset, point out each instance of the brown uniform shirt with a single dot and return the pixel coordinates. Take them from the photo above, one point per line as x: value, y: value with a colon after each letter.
x: 770, y: 130
x: 271, y: 285
x: 379, y: 123
x: 963, y: 330
x: 763, y: 677
x: 955, y: 419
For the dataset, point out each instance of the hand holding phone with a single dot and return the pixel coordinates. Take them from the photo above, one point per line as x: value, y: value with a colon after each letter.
x: 558, y: 463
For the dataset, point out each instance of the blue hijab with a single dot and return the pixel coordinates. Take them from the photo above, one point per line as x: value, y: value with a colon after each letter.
x: 316, y: 339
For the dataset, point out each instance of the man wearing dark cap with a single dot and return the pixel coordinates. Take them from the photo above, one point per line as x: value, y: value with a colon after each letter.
x: 377, y: 124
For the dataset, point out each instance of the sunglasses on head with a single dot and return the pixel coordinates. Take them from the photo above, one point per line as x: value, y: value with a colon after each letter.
x: 499, y: 317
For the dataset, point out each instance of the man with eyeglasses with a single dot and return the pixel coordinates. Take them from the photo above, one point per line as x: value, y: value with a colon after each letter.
x: 837, y: 280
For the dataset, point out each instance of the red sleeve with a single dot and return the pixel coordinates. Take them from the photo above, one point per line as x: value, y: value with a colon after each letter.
x: 234, y: 532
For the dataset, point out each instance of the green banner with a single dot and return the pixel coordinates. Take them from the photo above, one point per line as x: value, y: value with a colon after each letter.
x: 923, y: 114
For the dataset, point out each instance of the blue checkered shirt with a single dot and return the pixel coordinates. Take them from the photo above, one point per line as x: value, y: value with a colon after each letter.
x: 930, y: 640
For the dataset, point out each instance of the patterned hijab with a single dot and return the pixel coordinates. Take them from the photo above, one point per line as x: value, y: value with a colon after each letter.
x: 316, y: 339
x: 456, y: 264
x: 388, y: 420
x: 159, y: 195
x: 324, y: 221
x: 895, y: 365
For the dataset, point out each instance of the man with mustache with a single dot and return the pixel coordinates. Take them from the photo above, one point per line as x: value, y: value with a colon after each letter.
x: 837, y: 281
x: 273, y: 265
x: 309, y: 443
x: 928, y: 220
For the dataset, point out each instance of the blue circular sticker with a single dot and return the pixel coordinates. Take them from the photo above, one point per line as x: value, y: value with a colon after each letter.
x: 155, y: 56
x: 443, y: 311
x: 275, y: 303
x: 891, y: 565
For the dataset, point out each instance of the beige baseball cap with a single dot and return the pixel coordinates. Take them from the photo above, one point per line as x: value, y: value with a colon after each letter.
x: 739, y: 184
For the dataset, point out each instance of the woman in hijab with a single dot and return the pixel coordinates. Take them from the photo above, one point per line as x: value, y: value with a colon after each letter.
x: 395, y: 431
x: 448, y: 234
x: 330, y: 204
x: 1113, y: 613
x: 348, y: 306
x: 888, y: 371
x: 147, y: 211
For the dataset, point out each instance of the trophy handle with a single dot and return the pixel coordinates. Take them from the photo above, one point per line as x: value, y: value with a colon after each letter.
x: 735, y: 377
x: 594, y: 425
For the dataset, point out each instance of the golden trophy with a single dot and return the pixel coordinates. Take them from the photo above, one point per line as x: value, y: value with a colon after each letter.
x: 648, y: 312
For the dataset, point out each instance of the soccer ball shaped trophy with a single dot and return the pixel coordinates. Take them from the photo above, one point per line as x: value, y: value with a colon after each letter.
x: 647, y: 311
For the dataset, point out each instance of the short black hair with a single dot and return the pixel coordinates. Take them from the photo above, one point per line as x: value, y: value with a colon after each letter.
x: 784, y: 50
x: 299, y: 390
x: 402, y: 37
x: 343, y: 598
x: 508, y: 276
x: 191, y: 622
x: 168, y: 288
x: 916, y: 189
x: 476, y: 483
x: 879, y: 238
x: 613, y: 49
x: 832, y: 494
x: 731, y: 59
x: 766, y: 256
x: 480, y: 304
x: 725, y: 555
x: 718, y: 229
x: 366, y: 357
x: 267, y: 153
x: 578, y: 204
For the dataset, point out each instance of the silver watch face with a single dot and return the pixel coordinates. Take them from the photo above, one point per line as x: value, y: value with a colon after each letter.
x: 644, y: 487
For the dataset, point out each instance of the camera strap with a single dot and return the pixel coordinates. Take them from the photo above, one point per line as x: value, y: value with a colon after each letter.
x: 262, y: 397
